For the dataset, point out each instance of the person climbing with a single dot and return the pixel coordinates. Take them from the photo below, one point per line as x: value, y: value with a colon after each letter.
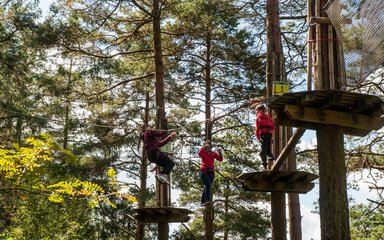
x: 207, y: 172
x: 152, y: 144
x: 264, y: 129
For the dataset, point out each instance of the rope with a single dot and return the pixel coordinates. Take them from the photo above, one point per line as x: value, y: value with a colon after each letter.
x: 31, y: 115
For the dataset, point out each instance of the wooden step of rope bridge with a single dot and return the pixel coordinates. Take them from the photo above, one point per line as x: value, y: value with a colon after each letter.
x: 162, y: 214
x: 279, y: 181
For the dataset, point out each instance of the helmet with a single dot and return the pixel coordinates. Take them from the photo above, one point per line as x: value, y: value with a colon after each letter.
x: 260, y: 107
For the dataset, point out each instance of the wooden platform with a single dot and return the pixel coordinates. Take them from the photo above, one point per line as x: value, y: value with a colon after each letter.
x: 162, y: 214
x: 281, y: 181
x: 356, y: 113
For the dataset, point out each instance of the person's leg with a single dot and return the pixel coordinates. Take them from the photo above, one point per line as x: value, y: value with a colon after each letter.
x: 207, y: 187
x: 263, y: 153
x: 269, y: 154
x: 166, y: 162
x: 269, y: 146
x: 211, y: 177
x: 152, y: 156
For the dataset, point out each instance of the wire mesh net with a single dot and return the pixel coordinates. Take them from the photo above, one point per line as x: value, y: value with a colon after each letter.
x: 362, y: 39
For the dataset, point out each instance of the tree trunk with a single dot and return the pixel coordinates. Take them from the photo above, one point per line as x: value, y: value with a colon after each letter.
x: 334, y: 213
x: 162, y: 189
x: 140, y: 233
x: 274, y: 72
x: 226, y: 210
x: 67, y: 107
x: 293, y: 200
x: 159, y: 67
x: 208, y: 90
x: 19, y: 128
x: 209, y: 210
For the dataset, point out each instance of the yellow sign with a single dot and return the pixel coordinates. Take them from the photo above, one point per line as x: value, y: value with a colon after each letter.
x: 280, y: 88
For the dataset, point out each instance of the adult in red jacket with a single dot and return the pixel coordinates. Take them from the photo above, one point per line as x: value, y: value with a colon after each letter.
x: 152, y: 144
x: 207, y: 172
x: 264, y: 129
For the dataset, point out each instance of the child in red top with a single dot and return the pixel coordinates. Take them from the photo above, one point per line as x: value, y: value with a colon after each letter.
x: 207, y: 172
x: 264, y: 129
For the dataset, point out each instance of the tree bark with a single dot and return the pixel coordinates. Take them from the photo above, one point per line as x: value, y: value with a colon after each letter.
x: 274, y: 72
x: 140, y: 233
x: 208, y: 90
x: 162, y: 189
x: 293, y: 200
x: 334, y: 212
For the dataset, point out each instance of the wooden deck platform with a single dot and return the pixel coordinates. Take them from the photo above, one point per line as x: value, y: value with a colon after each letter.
x: 357, y: 114
x: 281, y: 181
x: 162, y: 214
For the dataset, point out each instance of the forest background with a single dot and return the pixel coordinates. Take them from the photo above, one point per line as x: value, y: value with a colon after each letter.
x: 82, y: 74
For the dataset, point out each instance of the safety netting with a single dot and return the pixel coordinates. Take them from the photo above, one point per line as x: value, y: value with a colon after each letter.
x: 362, y: 38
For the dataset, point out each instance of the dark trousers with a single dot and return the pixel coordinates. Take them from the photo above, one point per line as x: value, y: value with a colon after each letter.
x: 207, y: 178
x: 161, y: 159
x: 266, y: 147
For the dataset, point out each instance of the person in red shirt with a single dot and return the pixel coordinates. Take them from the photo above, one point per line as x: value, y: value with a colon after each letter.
x: 264, y: 129
x: 152, y: 144
x: 207, y: 172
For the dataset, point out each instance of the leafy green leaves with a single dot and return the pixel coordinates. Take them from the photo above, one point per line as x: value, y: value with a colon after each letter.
x: 26, y: 164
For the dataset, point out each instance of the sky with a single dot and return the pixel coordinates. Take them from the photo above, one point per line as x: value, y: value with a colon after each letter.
x: 310, y: 220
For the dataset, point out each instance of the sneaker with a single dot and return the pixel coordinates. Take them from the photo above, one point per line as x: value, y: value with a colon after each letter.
x: 162, y: 178
x: 265, y: 165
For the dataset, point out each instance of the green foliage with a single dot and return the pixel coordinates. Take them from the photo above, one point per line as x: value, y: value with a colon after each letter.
x: 367, y: 222
x: 26, y: 164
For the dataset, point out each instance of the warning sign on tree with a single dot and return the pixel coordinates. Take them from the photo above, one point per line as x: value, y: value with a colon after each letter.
x: 280, y: 88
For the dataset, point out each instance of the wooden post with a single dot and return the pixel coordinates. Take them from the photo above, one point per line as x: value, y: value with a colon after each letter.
x: 208, y: 220
x: 290, y: 145
x: 294, y: 212
x: 333, y: 202
x: 274, y: 51
x: 309, y: 46
x: 331, y: 62
x: 334, y: 213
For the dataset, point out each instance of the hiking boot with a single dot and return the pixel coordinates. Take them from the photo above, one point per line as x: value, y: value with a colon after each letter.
x: 162, y: 178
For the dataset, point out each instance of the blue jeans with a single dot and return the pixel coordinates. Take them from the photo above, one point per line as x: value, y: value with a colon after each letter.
x: 207, y: 178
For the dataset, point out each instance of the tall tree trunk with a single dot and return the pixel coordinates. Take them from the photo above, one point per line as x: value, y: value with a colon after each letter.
x: 140, y: 233
x: 274, y: 73
x: 334, y: 213
x: 226, y: 210
x: 333, y: 200
x: 67, y: 106
x: 209, y: 210
x: 19, y: 129
x: 208, y: 90
x: 293, y: 200
x: 162, y: 189
x: 159, y: 67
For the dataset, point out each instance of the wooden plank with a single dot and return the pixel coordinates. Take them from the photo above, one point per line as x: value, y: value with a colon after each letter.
x: 287, y: 149
x: 331, y: 66
x: 342, y: 119
x: 285, y: 121
x: 326, y: 20
x: 162, y: 214
x: 284, y: 175
x: 162, y: 218
x: 266, y: 186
